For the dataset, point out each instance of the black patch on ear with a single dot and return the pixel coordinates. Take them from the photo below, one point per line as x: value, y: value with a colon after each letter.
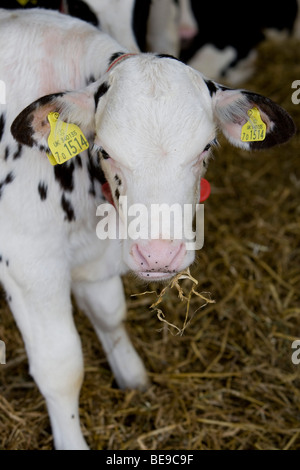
x: 43, y: 190
x: 211, y: 87
x: 114, y: 56
x: 64, y: 175
x: 18, y: 152
x: 21, y: 128
x: 2, y: 125
x: 103, y: 88
x: 68, y: 209
x: 283, y: 125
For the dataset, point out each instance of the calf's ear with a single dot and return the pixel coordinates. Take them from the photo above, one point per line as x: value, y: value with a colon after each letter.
x: 31, y: 127
x: 231, y: 109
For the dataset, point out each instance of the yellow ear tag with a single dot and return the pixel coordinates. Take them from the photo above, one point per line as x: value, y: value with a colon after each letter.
x: 255, y: 129
x: 65, y: 141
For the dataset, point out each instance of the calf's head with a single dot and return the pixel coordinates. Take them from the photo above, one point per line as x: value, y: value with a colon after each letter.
x: 152, y: 122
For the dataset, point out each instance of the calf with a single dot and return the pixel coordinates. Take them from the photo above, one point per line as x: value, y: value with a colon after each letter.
x: 228, y: 50
x: 150, y: 122
x: 147, y: 25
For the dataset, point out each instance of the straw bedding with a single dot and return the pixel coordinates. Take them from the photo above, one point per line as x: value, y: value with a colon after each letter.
x: 227, y: 381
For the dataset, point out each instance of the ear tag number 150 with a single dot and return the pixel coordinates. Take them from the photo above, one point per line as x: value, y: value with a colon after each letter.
x: 65, y: 141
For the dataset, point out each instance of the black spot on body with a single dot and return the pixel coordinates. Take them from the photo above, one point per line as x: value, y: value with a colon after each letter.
x: 64, y: 175
x: 118, y: 180
x: 2, y: 126
x: 90, y: 80
x: 211, y: 87
x: 103, y: 88
x: 115, y: 56
x: 140, y: 21
x: 43, y: 148
x: 6, y: 153
x: 7, y: 262
x: 78, y: 161
x: 96, y: 174
x: 117, y: 194
x: 7, y: 180
x: 68, y: 209
x: 18, y: 152
x: 43, y: 189
x: 81, y: 10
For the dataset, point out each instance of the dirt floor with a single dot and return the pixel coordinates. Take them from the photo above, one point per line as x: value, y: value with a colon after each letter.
x: 228, y: 382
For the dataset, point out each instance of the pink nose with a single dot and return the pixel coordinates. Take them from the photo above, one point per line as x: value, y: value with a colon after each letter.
x: 158, y: 258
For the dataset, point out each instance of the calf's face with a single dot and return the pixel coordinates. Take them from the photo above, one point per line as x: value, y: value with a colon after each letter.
x: 152, y: 122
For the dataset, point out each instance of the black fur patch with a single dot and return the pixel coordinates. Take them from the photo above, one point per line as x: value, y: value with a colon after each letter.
x: 211, y: 87
x: 96, y: 174
x: 78, y: 161
x: 43, y: 190
x: 117, y: 194
x: 18, y: 152
x: 114, y: 56
x: 90, y: 80
x: 64, y: 175
x: 7, y: 180
x: 283, y: 125
x: 2, y: 125
x: 21, y: 128
x: 68, y: 209
x: 81, y: 10
x: 103, y: 88
x: 140, y: 20
x: 6, y: 154
x: 118, y: 180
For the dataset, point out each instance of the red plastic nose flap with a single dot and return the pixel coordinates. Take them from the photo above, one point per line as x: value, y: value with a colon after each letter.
x: 205, y: 190
x: 204, y: 193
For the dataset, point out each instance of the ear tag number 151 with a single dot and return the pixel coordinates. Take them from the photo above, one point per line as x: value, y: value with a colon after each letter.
x: 255, y: 129
x: 65, y: 141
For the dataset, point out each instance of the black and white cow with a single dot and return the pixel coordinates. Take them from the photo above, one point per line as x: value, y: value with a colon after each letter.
x: 150, y: 121
x: 229, y: 33
x: 139, y: 25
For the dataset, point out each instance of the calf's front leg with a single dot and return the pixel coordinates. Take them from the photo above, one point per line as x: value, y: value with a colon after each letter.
x: 104, y: 303
x: 43, y: 312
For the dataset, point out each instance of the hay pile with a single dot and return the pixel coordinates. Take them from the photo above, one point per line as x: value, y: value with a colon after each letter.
x: 228, y: 381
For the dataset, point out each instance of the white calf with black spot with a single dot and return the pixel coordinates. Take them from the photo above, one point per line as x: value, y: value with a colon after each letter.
x: 152, y: 121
